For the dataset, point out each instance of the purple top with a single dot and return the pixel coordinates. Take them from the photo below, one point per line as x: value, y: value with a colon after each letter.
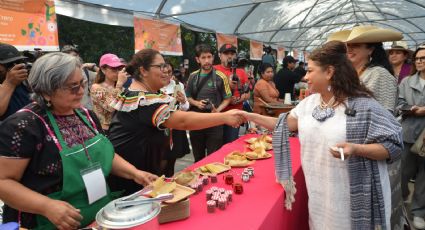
x: 404, y: 72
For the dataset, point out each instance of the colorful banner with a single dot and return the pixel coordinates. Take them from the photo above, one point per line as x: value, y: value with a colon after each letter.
x: 255, y: 50
x: 29, y: 24
x: 280, y: 54
x: 159, y: 35
x: 226, y: 39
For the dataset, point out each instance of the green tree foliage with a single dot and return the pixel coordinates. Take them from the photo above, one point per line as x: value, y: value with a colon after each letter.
x: 94, y: 39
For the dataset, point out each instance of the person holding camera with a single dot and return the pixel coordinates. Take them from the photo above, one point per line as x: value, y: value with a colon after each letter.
x: 14, y: 93
x: 208, y: 91
x: 238, y: 83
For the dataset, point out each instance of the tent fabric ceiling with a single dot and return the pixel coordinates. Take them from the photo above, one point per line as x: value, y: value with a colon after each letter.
x: 290, y: 23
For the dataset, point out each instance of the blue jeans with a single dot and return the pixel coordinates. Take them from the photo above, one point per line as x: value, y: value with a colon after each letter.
x: 230, y: 134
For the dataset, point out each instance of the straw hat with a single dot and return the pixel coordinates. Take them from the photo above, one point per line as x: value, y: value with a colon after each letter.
x: 399, y: 45
x: 366, y: 34
x: 339, y: 36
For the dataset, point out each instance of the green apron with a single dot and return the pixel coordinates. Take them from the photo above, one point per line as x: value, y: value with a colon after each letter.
x: 74, y: 159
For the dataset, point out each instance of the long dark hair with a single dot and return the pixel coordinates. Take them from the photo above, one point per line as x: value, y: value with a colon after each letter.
x: 144, y: 58
x: 414, y: 70
x: 379, y: 57
x: 345, y: 81
x: 100, y: 76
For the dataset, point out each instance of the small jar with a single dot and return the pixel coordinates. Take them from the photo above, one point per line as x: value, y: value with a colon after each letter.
x: 205, y: 180
x: 245, y: 177
x: 214, y: 178
x: 228, y: 179
x: 250, y: 170
x: 211, y: 205
x: 238, y: 188
x: 208, y: 194
x: 222, y: 204
x: 229, y: 194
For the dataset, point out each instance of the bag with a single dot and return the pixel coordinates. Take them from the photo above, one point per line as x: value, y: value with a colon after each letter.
x: 418, y: 147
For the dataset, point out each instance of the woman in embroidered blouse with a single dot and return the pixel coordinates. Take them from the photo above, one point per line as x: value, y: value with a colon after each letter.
x: 411, y: 95
x: 350, y: 194
x: 44, y: 147
x: 108, y: 84
x: 265, y: 88
x: 140, y: 127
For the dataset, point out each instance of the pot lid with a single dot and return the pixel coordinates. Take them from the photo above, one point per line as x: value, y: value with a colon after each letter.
x: 127, y: 217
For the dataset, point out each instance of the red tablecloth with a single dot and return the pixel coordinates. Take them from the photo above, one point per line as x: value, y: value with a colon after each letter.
x: 261, y: 206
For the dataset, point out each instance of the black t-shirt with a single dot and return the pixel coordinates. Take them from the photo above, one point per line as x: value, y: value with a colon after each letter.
x: 285, y: 80
x: 23, y: 135
x: 216, y: 88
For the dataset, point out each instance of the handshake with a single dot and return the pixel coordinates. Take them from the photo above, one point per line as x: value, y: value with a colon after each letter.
x: 235, y: 117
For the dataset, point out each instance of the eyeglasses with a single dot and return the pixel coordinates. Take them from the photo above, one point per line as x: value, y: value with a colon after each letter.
x: 419, y: 59
x: 75, y: 88
x: 161, y: 66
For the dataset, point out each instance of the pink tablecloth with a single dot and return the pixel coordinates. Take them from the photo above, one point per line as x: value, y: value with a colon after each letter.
x: 261, y: 206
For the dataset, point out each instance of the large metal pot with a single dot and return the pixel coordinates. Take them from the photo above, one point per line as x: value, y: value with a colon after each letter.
x: 142, y: 216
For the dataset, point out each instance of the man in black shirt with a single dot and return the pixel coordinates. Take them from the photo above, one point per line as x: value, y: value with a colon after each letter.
x: 285, y: 79
x: 207, y: 91
x: 300, y: 70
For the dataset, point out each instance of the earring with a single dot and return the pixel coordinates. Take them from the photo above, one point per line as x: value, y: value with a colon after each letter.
x: 370, y: 59
x: 48, y: 104
x: 329, y: 88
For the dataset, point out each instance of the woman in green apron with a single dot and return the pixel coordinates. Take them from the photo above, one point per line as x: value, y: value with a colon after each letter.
x: 53, y: 159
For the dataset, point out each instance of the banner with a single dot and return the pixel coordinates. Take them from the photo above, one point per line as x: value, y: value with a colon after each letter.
x: 255, y: 50
x: 280, y: 54
x: 226, y: 39
x: 158, y: 35
x: 29, y: 24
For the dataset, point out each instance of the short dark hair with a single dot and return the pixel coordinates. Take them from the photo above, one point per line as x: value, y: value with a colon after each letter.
x: 203, y: 48
x: 143, y: 58
x: 345, y: 82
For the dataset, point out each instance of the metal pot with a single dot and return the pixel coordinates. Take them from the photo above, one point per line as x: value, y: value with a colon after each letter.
x: 135, y: 217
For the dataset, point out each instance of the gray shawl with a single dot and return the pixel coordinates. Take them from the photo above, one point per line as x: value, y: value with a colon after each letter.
x: 371, y: 124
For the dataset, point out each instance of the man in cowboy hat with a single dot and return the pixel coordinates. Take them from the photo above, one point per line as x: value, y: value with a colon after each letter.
x: 399, y: 55
x: 13, y: 93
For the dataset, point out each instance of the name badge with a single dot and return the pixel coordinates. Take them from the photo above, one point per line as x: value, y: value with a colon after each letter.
x: 94, y: 181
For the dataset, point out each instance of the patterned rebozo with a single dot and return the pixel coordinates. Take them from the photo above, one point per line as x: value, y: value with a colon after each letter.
x: 371, y: 124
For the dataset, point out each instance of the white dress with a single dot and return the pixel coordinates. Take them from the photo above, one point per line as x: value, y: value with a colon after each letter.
x: 326, y: 177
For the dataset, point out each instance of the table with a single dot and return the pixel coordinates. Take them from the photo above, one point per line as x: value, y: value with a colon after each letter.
x: 261, y: 206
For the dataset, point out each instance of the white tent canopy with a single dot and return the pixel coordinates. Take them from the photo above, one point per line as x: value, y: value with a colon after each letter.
x: 291, y: 23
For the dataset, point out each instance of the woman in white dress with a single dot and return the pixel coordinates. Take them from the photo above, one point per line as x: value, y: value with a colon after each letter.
x: 340, y: 121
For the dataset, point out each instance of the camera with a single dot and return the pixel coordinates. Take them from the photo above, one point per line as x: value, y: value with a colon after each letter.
x: 208, y: 105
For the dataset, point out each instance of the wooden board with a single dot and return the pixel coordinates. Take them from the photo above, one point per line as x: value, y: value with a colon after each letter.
x: 180, y: 193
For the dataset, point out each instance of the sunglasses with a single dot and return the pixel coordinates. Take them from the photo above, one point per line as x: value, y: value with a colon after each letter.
x: 419, y: 59
x: 75, y: 88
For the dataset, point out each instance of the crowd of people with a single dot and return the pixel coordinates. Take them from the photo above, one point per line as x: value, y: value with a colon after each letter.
x: 63, y: 119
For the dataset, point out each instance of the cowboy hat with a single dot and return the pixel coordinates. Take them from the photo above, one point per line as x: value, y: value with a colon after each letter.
x: 367, y: 34
x: 399, y: 45
x: 339, y: 36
